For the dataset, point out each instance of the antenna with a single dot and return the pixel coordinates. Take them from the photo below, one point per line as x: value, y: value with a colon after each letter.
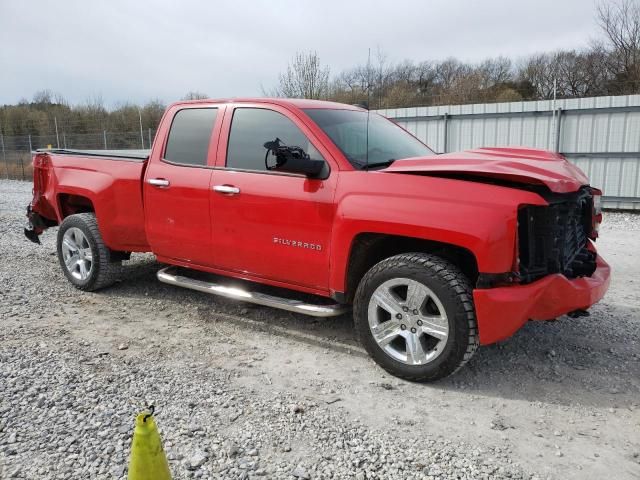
x: 368, y: 108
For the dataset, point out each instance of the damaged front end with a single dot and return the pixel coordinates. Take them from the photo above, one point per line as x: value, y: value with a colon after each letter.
x: 555, y: 238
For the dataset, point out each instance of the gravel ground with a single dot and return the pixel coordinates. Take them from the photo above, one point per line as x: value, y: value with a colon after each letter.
x: 250, y: 392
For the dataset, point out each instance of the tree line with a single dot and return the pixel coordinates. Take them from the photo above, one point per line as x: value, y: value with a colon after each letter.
x: 40, y: 115
x: 610, y: 66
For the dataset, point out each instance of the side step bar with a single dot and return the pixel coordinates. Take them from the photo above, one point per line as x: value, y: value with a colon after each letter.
x: 169, y: 275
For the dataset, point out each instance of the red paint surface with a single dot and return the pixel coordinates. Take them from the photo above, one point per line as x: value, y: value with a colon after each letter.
x: 189, y: 224
x: 517, y: 164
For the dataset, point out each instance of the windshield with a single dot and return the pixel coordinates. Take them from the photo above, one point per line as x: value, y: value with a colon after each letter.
x: 387, y: 141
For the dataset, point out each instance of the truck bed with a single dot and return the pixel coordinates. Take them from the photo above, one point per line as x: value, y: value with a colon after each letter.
x: 108, y: 182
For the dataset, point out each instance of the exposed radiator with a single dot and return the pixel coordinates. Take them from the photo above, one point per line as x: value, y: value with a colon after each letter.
x: 553, y: 239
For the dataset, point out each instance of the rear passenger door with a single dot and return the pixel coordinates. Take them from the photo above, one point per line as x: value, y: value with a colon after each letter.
x: 176, y: 186
x: 270, y: 224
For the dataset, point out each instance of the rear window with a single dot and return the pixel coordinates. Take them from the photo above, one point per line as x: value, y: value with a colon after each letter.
x: 189, y: 137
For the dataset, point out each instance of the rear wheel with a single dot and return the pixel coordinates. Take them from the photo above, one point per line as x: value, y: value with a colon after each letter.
x: 414, y: 315
x: 85, y: 260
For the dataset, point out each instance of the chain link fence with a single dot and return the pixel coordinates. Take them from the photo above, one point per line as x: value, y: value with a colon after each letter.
x: 15, y: 150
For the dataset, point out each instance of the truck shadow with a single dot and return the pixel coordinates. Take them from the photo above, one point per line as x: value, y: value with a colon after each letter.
x: 589, y: 361
x: 591, y: 358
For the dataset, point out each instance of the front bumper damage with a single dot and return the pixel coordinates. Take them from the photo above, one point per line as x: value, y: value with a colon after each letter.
x: 502, y: 311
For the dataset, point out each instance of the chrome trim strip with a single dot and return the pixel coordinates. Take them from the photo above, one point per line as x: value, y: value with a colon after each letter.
x: 168, y: 275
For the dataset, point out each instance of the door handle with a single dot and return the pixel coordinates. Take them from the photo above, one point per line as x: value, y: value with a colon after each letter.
x: 227, y: 189
x: 158, y: 182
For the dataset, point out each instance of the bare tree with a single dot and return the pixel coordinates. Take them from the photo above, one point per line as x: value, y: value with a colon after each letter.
x: 620, y: 22
x: 579, y: 74
x: 539, y: 71
x: 425, y: 79
x: 44, y: 97
x: 495, y: 71
x: 305, y: 78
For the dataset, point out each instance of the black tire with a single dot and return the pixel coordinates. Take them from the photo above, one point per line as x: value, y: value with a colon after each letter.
x: 105, y: 263
x: 452, y: 288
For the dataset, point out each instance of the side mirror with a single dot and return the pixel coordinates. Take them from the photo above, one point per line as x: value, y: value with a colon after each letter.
x: 305, y: 166
x: 292, y: 159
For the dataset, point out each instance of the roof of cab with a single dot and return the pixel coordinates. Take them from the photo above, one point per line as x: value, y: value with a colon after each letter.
x: 285, y: 102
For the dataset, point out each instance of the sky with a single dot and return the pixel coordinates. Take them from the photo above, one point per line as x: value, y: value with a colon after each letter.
x: 136, y: 51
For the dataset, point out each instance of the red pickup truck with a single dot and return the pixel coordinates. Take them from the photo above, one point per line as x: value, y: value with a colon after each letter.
x: 435, y: 254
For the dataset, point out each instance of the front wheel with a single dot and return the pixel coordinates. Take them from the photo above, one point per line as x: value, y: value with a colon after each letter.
x: 85, y: 260
x: 414, y: 315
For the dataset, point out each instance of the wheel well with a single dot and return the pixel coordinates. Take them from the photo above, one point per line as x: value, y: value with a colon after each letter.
x: 71, y: 204
x: 370, y: 248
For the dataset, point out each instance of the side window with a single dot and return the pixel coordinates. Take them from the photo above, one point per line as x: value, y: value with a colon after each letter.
x: 189, y: 137
x: 251, y: 128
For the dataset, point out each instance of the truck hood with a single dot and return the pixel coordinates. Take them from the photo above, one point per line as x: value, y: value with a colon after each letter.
x: 520, y: 165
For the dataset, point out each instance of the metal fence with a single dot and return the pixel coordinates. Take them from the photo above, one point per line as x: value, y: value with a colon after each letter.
x: 601, y: 135
x: 15, y: 150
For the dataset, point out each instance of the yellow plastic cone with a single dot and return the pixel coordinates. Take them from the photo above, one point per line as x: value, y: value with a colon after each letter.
x: 148, y: 461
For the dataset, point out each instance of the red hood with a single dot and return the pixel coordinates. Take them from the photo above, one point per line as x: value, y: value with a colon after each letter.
x: 521, y: 165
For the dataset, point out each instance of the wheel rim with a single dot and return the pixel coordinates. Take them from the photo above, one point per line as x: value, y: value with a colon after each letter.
x: 408, y: 321
x: 76, y: 253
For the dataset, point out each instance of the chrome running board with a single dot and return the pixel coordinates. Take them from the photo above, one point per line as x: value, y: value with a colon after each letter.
x: 170, y: 276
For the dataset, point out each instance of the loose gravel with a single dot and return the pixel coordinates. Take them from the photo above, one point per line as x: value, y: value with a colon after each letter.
x: 250, y: 392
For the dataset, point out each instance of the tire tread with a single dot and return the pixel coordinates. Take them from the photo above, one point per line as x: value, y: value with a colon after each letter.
x: 108, y: 267
x: 453, y: 279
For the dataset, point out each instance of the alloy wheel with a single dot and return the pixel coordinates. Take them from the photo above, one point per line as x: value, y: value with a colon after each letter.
x: 76, y: 253
x: 408, y: 321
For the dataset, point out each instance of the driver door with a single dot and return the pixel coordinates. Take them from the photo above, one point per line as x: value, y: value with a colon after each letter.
x: 270, y: 224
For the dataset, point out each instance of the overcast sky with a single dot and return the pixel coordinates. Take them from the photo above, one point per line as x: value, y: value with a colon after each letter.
x: 139, y: 50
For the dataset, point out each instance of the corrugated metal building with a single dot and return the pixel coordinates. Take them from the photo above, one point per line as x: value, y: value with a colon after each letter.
x: 601, y: 135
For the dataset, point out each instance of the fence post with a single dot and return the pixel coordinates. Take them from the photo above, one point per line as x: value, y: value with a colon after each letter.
x: 558, y: 130
x: 64, y: 140
x: 22, y: 166
x: 149, y: 138
x: 4, y: 156
x: 30, y: 145
x: 104, y: 134
x: 445, y: 133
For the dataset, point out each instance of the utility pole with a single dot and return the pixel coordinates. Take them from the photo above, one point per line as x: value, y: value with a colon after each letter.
x: 55, y: 121
x: 141, y: 134
x: 558, y: 129
x: 445, y: 132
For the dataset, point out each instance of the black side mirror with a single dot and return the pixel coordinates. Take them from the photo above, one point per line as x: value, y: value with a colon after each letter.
x: 292, y: 159
x: 305, y: 166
